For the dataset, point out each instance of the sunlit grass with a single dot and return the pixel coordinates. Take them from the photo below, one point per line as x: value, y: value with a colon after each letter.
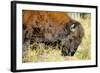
x: 42, y: 53
x: 84, y: 50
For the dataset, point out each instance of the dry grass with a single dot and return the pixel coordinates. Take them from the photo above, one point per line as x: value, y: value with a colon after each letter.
x: 43, y: 53
x: 84, y: 50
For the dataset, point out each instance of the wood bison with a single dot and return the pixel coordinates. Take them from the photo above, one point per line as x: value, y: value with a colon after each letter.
x: 52, y: 28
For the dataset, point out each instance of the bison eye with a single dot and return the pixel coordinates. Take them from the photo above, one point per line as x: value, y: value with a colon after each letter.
x: 73, y: 27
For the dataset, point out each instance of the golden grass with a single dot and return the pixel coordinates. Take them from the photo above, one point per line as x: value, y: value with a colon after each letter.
x: 43, y: 53
x: 84, y: 50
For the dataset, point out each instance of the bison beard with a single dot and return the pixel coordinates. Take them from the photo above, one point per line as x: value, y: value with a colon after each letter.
x: 41, y: 28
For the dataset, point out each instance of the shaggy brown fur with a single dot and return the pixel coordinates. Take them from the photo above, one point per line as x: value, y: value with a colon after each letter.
x: 52, y: 28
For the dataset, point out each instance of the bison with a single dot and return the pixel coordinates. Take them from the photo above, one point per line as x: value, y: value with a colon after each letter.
x: 52, y: 28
